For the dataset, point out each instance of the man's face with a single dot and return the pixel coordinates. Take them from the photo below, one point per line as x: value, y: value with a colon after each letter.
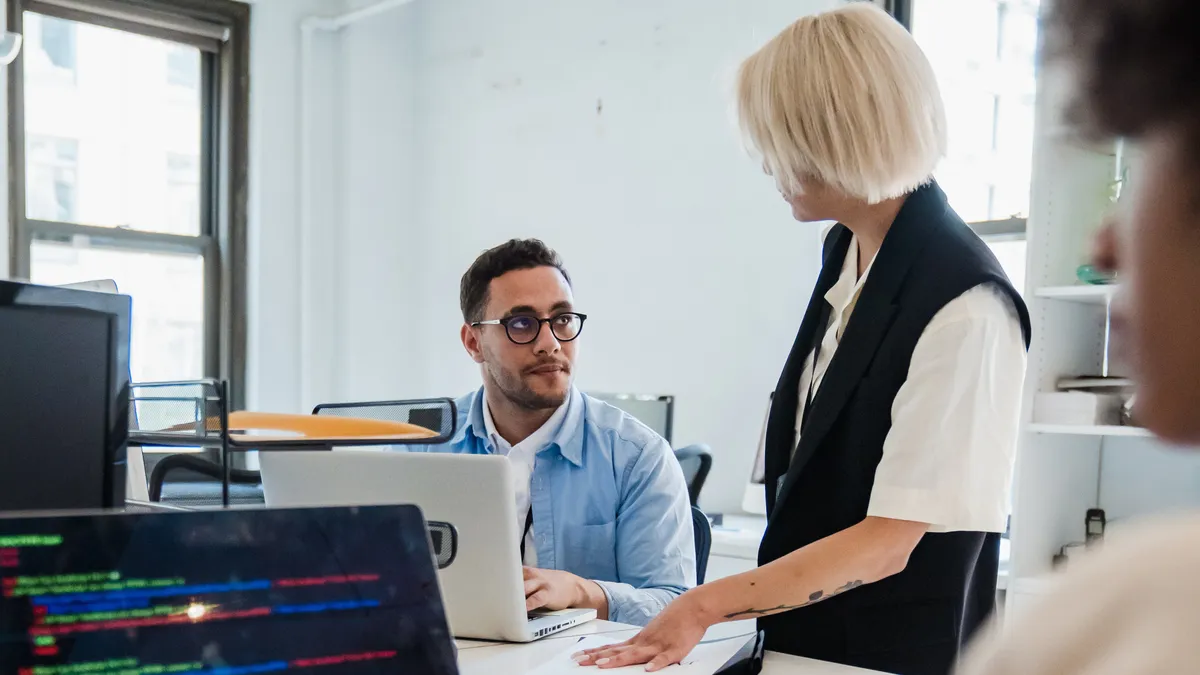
x: 1154, y: 244
x: 534, y: 376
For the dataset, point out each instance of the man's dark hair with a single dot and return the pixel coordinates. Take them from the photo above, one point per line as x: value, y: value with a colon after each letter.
x: 1138, y: 63
x: 515, y: 254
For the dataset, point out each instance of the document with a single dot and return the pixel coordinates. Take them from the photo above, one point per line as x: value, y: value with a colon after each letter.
x: 705, y: 659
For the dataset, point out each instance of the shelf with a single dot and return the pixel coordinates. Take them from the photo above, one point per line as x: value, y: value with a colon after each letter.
x: 1088, y: 430
x: 1082, y: 293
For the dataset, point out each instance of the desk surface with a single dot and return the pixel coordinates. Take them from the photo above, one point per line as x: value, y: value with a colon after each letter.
x: 492, y: 658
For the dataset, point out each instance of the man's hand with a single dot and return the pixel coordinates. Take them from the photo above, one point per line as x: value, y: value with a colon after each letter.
x: 554, y: 590
x: 671, y: 636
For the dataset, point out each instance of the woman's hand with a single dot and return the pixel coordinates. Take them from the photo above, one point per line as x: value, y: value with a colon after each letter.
x: 666, y: 640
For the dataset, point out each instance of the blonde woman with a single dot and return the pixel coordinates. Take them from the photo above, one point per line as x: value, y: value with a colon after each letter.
x: 894, y: 424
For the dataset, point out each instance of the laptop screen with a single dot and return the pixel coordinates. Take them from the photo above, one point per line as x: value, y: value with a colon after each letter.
x: 333, y: 590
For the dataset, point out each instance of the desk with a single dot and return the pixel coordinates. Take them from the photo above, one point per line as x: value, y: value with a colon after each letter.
x: 492, y: 658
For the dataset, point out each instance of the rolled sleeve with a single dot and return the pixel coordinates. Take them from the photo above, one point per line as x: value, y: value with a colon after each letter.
x: 656, y: 552
x: 948, y: 457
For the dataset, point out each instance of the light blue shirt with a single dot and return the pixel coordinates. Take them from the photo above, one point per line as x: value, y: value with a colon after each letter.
x: 609, y: 504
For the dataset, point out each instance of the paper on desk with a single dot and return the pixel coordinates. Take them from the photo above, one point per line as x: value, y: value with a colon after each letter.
x: 705, y: 659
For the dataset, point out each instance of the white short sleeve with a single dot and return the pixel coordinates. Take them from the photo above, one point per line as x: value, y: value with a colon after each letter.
x: 948, y: 459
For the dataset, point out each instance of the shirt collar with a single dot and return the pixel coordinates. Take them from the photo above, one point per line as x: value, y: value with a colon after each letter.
x: 849, y: 283
x: 566, y: 437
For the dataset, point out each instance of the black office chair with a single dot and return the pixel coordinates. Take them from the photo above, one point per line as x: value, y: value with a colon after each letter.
x: 703, y: 534
x: 198, y: 483
x: 696, y: 461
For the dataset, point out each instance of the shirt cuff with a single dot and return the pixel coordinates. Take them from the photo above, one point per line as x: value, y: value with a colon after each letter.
x: 636, y: 607
x: 936, y: 509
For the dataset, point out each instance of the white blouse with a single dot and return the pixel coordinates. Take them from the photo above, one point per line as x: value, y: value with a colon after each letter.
x: 948, y: 458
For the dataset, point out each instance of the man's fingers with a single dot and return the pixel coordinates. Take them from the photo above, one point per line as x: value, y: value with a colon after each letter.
x: 528, y: 573
x: 533, y: 586
x: 536, y: 601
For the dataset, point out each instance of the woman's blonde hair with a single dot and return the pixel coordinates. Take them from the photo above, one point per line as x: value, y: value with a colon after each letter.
x: 845, y: 98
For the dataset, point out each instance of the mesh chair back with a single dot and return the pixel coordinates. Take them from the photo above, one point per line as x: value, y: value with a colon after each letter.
x: 435, y: 414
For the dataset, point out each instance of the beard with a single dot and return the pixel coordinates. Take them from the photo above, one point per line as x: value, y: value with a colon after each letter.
x: 514, y: 387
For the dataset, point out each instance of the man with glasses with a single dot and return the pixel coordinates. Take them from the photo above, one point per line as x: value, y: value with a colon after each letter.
x: 601, y: 499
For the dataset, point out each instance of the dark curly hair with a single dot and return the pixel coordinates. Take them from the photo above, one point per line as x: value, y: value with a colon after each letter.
x: 515, y: 254
x: 1138, y: 63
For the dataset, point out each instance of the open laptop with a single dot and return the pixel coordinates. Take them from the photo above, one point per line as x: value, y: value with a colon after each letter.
x: 232, y: 591
x: 483, y: 588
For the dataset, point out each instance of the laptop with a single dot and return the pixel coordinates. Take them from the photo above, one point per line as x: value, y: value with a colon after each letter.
x: 484, y: 589
x: 233, y: 591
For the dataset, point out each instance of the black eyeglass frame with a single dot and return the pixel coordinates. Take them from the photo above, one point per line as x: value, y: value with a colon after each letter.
x: 509, y: 319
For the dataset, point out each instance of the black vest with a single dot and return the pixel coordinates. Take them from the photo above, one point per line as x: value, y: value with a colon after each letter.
x: 915, y: 622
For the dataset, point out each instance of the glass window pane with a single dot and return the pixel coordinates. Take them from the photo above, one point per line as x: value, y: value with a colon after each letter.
x: 167, y: 342
x: 983, y: 52
x: 128, y: 108
x: 1011, y: 254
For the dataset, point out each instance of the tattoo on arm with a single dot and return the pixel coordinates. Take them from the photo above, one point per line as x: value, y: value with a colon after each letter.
x: 814, y: 598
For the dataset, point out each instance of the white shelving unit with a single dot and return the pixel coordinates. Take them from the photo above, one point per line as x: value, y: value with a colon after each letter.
x: 1085, y: 294
x: 1082, y: 430
x: 1063, y: 470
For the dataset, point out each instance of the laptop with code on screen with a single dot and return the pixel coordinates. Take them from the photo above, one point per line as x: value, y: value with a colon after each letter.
x: 234, y: 592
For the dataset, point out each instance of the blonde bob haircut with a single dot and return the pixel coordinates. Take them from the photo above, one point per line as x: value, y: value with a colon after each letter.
x: 847, y: 99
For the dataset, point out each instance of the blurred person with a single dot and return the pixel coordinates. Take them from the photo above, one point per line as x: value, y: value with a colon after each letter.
x: 602, y: 502
x: 1134, y: 606
x: 893, y: 428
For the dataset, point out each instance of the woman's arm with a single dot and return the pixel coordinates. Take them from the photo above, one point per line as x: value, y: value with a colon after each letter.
x: 870, y: 551
x: 873, y: 550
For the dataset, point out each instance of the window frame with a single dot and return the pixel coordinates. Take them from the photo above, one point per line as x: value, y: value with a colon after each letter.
x: 221, y: 30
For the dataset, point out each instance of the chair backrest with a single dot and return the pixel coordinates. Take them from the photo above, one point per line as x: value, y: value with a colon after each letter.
x: 703, y: 534
x: 696, y: 462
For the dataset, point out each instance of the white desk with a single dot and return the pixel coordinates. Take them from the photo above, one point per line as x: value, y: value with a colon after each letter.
x: 492, y: 658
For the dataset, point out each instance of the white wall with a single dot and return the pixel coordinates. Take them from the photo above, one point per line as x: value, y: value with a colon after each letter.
x: 279, y: 309
x: 603, y: 128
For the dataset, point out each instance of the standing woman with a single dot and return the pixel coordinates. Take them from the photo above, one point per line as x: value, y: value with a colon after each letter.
x: 891, y: 438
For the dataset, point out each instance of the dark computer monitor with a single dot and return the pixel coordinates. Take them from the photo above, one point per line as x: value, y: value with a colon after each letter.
x: 345, y: 590
x: 64, y: 397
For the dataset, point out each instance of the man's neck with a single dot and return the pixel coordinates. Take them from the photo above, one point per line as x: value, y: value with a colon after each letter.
x: 870, y: 225
x: 513, y: 422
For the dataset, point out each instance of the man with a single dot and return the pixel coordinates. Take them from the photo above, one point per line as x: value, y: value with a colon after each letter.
x: 600, y: 497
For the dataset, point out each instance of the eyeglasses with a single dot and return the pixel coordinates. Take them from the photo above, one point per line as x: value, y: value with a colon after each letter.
x: 523, y: 329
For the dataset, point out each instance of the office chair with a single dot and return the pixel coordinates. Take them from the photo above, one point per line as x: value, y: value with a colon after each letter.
x: 703, y: 533
x: 696, y: 462
x: 245, y: 487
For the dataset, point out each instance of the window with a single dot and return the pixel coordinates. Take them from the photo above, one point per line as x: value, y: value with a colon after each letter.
x: 58, y: 42
x: 983, y: 53
x: 183, y: 68
x: 120, y: 177
x: 53, y: 164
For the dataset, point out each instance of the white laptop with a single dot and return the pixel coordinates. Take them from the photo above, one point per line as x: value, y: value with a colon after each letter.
x: 484, y: 589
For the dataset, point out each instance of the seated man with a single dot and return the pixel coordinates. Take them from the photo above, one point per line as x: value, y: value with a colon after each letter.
x: 600, y: 497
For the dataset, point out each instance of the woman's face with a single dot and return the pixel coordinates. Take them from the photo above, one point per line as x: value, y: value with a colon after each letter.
x: 813, y: 201
x: 1154, y: 244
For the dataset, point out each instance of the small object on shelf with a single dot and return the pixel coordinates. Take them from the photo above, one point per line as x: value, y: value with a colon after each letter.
x: 1093, y: 382
x: 1127, y: 412
x: 1094, y: 525
x: 1076, y: 408
x: 1091, y: 275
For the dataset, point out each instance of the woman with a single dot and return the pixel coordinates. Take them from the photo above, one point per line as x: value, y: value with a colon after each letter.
x: 1135, y: 606
x: 894, y: 424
